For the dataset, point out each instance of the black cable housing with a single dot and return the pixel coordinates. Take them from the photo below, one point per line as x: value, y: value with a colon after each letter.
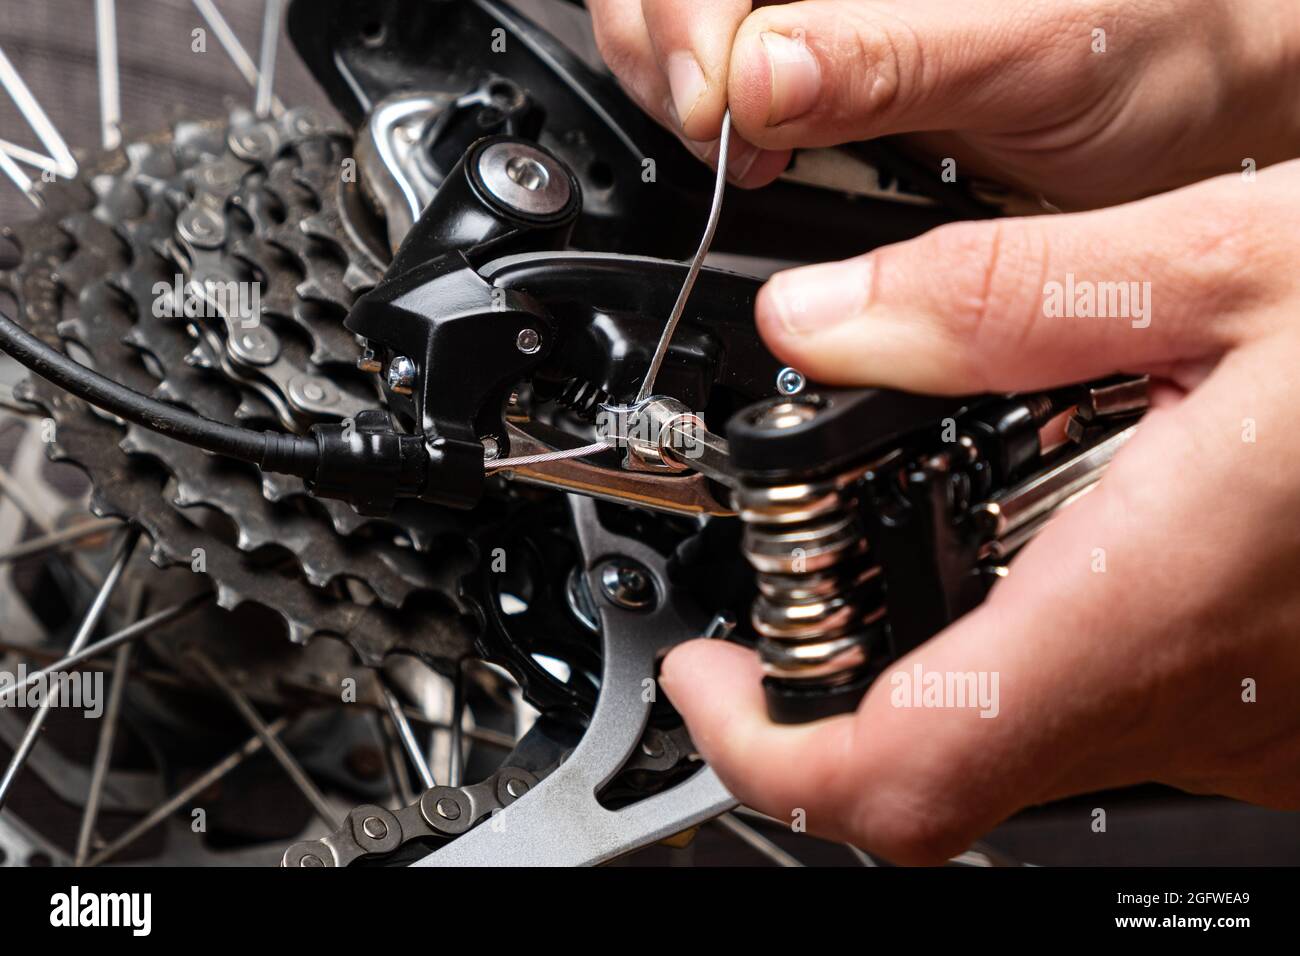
x: 270, y: 451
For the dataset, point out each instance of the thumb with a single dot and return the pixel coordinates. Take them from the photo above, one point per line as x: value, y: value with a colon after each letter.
x: 1016, y: 304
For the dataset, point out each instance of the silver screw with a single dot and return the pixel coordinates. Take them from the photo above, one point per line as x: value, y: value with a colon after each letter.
x: 528, y: 341
x: 448, y: 809
x: 786, y: 415
x: 627, y: 585
x: 491, y: 449
x: 401, y: 375
x: 790, y: 381
x: 375, y: 828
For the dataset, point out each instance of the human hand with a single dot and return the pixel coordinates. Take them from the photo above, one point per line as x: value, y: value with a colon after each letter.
x: 1130, y: 633
x: 1025, y: 92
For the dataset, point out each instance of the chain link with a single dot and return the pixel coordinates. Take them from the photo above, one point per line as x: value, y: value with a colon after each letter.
x: 445, y: 812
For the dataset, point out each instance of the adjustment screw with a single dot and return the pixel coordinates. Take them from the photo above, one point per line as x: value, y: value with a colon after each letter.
x: 790, y: 381
x: 401, y: 375
x: 627, y: 585
x: 448, y: 809
x: 516, y: 787
x: 374, y: 828
x: 785, y: 415
x: 528, y: 341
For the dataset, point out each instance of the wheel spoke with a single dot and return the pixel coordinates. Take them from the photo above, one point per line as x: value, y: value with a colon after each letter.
x: 861, y: 855
x: 32, y: 158
x: 173, y: 803
x: 277, y: 748
x: 456, y: 754
x: 407, y: 736
x: 18, y: 177
x: 395, y: 762
x: 128, y: 633
x: 755, y: 840
x: 36, y: 117
x: 110, y: 100
x: 107, y: 737
x: 266, y: 61
x: 18, y: 495
x: 56, y: 539
x: 87, y: 628
x: 234, y: 49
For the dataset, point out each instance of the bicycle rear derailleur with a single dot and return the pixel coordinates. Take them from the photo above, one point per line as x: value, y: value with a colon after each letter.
x: 872, y: 518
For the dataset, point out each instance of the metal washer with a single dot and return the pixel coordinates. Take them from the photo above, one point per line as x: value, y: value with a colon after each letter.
x: 525, y: 178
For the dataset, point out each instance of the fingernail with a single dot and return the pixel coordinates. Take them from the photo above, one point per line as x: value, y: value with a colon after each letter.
x: 819, y: 297
x: 706, y: 150
x: 741, y: 160
x: 686, y: 82
x: 796, y: 77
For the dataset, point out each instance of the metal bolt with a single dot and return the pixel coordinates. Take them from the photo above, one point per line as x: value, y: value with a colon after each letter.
x: 528, y: 341
x: 368, y: 363
x: 786, y: 415
x: 491, y: 449
x: 401, y: 375
x: 627, y: 585
x: 527, y: 172
x: 374, y: 828
x: 790, y: 381
x: 448, y: 809
x: 516, y: 787
x: 525, y: 179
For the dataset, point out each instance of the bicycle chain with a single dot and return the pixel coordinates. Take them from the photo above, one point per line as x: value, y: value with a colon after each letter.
x: 446, y: 812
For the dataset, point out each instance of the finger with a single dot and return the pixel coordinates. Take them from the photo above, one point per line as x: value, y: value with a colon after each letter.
x: 783, y: 770
x: 1086, y: 671
x: 823, y: 72
x: 692, y: 45
x: 1161, y: 286
x: 624, y: 41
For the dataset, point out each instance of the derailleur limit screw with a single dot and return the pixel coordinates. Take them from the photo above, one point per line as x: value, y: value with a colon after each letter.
x: 401, y: 375
x: 785, y: 415
x: 790, y: 381
x: 528, y: 341
x: 627, y: 585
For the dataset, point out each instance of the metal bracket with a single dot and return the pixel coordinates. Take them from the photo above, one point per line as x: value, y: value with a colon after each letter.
x: 560, y: 822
